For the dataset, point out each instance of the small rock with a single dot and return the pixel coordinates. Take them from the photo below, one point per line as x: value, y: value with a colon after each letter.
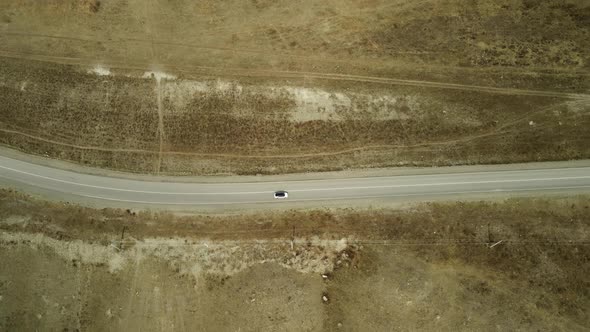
x: 339, y: 325
x: 325, y: 276
x: 39, y: 316
x: 325, y: 298
x: 531, y: 123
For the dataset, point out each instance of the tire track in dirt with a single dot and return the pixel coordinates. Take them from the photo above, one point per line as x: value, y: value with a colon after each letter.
x: 429, y: 84
x: 228, y: 71
x: 160, y: 123
x: 161, y: 152
x: 161, y: 133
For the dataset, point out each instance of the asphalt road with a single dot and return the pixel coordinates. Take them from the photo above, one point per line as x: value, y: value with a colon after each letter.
x: 106, y: 191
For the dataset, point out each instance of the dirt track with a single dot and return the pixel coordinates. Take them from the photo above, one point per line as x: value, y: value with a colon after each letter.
x: 237, y: 72
x: 160, y: 152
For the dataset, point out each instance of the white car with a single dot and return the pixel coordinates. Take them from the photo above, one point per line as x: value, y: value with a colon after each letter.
x: 281, y: 194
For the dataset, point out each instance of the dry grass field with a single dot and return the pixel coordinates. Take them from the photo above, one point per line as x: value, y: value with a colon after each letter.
x: 267, y: 87
x: 204, y: 87
x: 520, y: 264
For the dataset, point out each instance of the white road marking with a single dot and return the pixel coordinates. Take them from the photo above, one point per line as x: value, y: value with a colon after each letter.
x: 124, y: 190
x: 297, y: 190
x: 314, y: 180
x: 444, y: 184
x: 330, y: 199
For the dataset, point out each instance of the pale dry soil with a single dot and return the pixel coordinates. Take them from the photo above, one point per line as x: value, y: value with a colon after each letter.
x: 272, y: 87
x: 521, y: 264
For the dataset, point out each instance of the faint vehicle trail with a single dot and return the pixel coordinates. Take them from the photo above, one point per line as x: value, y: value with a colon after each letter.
x: 504, y: 128
x: 228, y: 71
x: 160, y: 123
x: 158, y: 76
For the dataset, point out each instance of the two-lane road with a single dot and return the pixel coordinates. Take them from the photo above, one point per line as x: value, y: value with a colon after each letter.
x: 106, y: 191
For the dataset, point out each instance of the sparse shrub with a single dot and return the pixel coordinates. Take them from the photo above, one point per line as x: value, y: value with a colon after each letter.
x: 92, y: 6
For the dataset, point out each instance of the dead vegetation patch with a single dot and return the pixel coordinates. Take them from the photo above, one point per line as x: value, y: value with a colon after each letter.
x: 476, y: 222
x: 237, y: 127
x: 276, y: 117
x: 517, y: 264
x: 92, y: 6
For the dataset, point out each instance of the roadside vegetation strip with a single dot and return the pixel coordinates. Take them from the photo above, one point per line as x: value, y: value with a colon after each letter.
x: 453, y: 221
x: 215, y: 126
x: 254, y: 156
x: 496, y: 254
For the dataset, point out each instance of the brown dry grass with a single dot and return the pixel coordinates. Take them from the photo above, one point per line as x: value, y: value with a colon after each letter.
x: 513, y: 33
x: 92, y: 6
x: 112, y: 121
x: 428, y: 268
x: 518, y: 221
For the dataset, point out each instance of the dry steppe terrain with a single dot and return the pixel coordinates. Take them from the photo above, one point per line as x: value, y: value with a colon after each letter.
x: 519, y: 264
x: 268, y: 87
x: 204, y: 87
